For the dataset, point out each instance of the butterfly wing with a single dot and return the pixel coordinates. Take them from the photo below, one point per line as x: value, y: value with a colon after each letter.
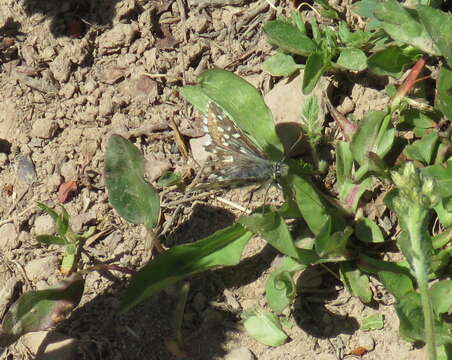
x: 235, y: 158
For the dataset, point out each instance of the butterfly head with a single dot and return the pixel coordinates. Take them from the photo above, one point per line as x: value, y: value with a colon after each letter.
x: 280, y: 170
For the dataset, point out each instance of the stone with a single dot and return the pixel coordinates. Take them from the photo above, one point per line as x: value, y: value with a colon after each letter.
x: 51, y: 345
x: 241, y: 353
x: 43, y: 128
x: 41, y: 268
x: 44, y: 224
x: 8, y: 237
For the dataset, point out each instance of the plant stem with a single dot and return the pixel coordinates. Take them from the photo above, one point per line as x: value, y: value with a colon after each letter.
x: 420, y: 266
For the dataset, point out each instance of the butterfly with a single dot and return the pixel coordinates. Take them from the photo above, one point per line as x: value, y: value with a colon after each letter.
x: 235, y: 159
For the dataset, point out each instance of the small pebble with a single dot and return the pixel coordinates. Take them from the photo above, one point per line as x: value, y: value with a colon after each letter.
x: 241, y: 353
x: 26, y: 169
x: 8, y: 237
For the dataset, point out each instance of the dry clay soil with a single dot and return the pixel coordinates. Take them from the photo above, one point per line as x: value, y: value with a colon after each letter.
x: 75, y: 72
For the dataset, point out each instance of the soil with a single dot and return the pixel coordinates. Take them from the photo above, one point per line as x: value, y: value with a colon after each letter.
x: 75, y: 72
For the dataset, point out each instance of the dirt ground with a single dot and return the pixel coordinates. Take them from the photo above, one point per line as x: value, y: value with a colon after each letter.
x: 74, y: 72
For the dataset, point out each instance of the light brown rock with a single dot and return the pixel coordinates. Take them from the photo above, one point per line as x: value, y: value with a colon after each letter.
x: 50, y: 345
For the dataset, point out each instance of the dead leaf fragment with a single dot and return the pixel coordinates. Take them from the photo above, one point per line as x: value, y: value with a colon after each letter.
x: 65, y: 190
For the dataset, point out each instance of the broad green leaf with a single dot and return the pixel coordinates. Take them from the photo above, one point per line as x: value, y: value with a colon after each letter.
x: 280, y: 65
x: 411, y: 318
x: 402, y: 25
x: 41, y: 310
x: 242, y: 102
x: 439, y: 25
x: 397, y: 283
x: 443, y: 100
x: 265, y: 328
x: 443, y: 178
x: 311, y: 205
x: 355, y: 39
x: 391, y: 61
x: 365, y: 8
x: 352, y: 59
x: 423, y: 149
x: 169, y: 178
x: 273, y: 229
x: 350, y: 193
x: 223, y: 248
x: 356, y: 283
x: 373, y: 322
x: 288, y: 38
x: 280, y: 289
x: 316, y: 65
x: 367, y: 231
x: 367, y: 136
x: 418, y: 119
x: 441, y: 295
x: 129, y: 194
x: 51, y: 239
x: 332, y: 244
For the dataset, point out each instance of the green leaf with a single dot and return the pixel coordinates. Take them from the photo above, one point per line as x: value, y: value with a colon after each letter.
x: 273, y: 229
x: 439, y: 26
x: 398, y: 284
x: 356, y: 39
x: 352, y: 59
x: 441, y: 294
x: 265, y: 328
x: 41, y: 310
x: 242, y: 102
x: 332, y: 244
x: 280, y: 289
x: 51, y: 239
x: 169, y: 178
x: 129, y: 194
x: 280, y: 65
x: 288, y: 38
x: 344, y: 162
x: 356, y: 283
x: 311, y: 205
x: 367, y: 231
x: 365, y: 8
x: 315, y: 67
x: 223, y: 248
x: 53, y: 214
x: 391, y: 61
x: 402, y: 25
x: 373, y: 322
x: 62, y: 222
x: 298, y: 21
x: 410, y: 315
x: 443, y: 100
x: 369, y: 264
x: 443, y: 178
x: 350, y: 193
x: 366, y: 138
x: 423, y: 149
x: 418, y: 119
x: 444, y: 215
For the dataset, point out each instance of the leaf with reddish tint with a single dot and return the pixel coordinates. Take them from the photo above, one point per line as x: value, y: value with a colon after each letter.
x: 65, y: 190
x: 41, y: 310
